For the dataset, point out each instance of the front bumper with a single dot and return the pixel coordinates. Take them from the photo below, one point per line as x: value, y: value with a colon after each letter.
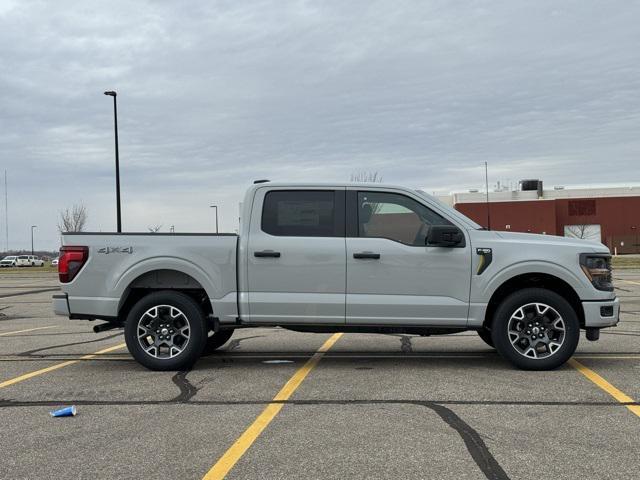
x: 61, y: 304
x: 600, y: 314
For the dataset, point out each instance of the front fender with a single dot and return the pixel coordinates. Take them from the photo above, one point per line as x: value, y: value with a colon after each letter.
x: 483, y: 289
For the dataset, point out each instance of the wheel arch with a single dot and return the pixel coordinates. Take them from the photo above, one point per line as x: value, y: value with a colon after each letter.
x: 163, y: 279
x: 533, y: 280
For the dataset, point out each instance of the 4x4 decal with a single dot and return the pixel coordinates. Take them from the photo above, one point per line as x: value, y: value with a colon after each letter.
x: 108, y: 250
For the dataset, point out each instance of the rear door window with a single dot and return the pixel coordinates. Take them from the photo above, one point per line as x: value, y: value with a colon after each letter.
x: 304, y: 213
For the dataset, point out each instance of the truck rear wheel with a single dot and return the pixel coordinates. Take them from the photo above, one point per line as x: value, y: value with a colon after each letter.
x: 216, y: 340
x: 535, y: 329
x: 166, y: 331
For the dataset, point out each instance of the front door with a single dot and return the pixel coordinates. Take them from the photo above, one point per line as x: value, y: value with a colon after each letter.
x: 296, y: 257
x: 392, y: 276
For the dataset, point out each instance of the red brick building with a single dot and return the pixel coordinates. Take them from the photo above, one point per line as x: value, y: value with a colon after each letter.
x: 610, y: 215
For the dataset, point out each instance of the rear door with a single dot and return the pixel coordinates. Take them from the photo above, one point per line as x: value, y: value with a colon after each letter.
x: 392, y: 276
x: 296, y: 256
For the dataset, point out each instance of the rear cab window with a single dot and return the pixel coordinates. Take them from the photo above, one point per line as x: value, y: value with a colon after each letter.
x: 303, y: 213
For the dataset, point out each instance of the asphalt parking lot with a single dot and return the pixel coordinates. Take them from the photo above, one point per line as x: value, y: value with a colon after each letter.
x: 364, y: 406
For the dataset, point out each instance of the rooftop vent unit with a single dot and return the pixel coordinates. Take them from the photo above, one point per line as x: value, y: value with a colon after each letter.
x: 531, y: 185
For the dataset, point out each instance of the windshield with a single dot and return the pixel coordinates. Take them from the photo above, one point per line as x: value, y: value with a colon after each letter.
x: 9, y: 258
x: 23, y: 257
x: 450, y: 210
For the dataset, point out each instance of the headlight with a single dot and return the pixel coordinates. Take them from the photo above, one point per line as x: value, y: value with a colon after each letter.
x: 597, y: 268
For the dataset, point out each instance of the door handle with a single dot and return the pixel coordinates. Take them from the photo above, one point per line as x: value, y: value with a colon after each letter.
x: 266, y: 254
x: 361, y: 255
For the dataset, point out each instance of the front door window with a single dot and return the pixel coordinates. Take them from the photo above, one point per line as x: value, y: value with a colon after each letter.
x: 395, y: 217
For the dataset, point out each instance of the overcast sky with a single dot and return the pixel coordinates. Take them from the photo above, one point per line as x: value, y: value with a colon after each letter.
x: 212, y: 95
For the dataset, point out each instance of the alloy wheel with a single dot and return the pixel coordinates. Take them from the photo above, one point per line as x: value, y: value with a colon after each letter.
x: 536, y: 330
x: 163, y: 331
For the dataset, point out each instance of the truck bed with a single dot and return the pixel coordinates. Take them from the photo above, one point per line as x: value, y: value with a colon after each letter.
x: 121, y: 262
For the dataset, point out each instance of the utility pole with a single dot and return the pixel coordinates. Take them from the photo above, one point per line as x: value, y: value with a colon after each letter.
x: 32, y: 227
x: 486, y: 182
x: 6, y: 211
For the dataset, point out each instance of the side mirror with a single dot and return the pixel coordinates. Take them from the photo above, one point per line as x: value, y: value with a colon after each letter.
x: 444, y: 236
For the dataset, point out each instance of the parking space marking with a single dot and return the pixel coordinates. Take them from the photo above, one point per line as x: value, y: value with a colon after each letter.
x: 619, y: 395
x: 4, y: 334
x: 251, y: 434
x: 627, y: 281
x: 57, y: 366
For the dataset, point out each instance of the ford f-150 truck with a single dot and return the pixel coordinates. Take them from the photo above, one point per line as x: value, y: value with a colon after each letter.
x: 341, y: 257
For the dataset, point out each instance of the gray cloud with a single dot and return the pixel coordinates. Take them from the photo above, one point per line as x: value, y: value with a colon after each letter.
x: 215, y: 94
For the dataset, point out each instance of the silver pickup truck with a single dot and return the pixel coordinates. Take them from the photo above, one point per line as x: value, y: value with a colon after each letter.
x: 340, y: 257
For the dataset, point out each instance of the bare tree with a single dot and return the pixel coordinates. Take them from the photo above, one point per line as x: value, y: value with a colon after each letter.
x: 154, y: 228
x: 366, y: 177
x: 577, y: 231
x: 74, y: 219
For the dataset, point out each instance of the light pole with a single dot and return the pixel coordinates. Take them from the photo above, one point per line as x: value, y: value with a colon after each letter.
x: 32, y: 227
x: 486, y: 182
x: 113, y: 94
x: 216, y: 207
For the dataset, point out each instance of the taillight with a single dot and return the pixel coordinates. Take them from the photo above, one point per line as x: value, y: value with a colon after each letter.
x: 71, y: 261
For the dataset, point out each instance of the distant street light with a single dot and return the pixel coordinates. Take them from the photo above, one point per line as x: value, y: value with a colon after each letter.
x: 486, y: 182
x: 216, y: 207
x: 32, y: 227
x: 113, y: 94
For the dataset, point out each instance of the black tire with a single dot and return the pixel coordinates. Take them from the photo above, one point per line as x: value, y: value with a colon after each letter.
x: 168, y: 302
x: 216, y: 340
x: 485, y: 335
x: 528, y: 303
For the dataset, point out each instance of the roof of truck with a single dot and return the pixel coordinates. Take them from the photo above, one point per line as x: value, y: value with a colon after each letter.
x: 330, y: 185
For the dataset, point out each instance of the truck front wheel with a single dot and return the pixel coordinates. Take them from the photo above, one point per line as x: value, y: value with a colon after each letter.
x: 485, y: 335
x: 535, y: 329
x: 166, y: 331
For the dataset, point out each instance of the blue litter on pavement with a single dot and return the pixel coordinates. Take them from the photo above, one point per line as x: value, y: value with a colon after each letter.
x: 65, y: 412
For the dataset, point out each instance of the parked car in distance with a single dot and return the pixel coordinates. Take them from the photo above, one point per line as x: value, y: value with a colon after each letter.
x: 29, y: 261
x: 340, y: 258
x: 54, y: 262
x: 8, y: 261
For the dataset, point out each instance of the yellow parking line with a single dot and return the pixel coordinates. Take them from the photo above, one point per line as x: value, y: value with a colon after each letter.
x: 251, y: 434
x: 606, y: 386
x: 27, y: 330
x: 628, y: 281
x: 609, y: 357
x: 57, y: 366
